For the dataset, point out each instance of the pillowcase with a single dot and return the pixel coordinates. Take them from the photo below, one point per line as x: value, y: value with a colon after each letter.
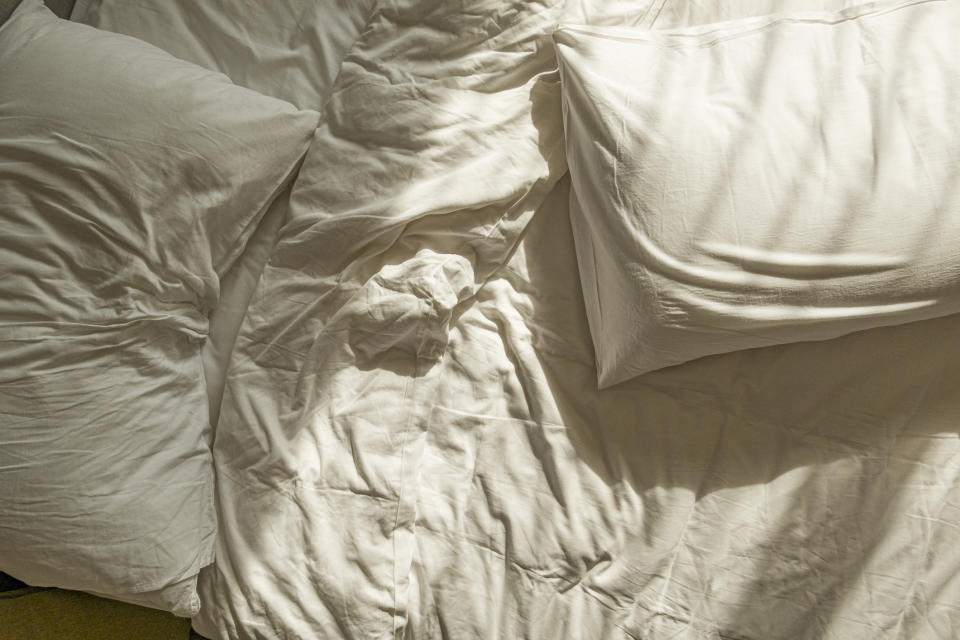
x: 289, y: 49
x: 763, y: 181
x: 129, y: 180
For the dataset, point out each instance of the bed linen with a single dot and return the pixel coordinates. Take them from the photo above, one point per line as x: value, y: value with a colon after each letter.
x: 129, y: 181
x: 290, y: 50
x: 762, y: 181
x: 440, y: 139
x: 805, y: 491
x: 412, y: 444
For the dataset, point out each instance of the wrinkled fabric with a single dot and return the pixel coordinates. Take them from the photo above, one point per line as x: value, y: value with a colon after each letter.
x: 413, y: 444
x: 441, y: 138
x: 129, y: 180
x: 764, y: 181
x: 807, y: 490
x: 289, y: 50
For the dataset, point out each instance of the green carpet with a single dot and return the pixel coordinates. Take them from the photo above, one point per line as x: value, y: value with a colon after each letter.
x: 31, y: 613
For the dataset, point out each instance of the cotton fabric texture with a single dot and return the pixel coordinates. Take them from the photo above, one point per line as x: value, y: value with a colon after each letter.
x: 287, y: 49
x: 764, y: 181
x: 483, y: 487
x: 129, y: 181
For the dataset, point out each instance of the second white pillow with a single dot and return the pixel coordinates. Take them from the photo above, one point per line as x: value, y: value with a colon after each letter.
x: 763, y: 181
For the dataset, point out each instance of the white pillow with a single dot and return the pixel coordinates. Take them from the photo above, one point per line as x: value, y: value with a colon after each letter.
x: 128, y: 181
x: 763, y: 181
x: 289, y: 49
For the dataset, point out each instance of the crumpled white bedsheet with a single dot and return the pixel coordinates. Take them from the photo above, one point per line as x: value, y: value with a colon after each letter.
x: 412, y: 444
x: 803, y: 491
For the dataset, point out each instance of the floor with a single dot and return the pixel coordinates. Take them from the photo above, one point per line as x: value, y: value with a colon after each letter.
x: 35, y: 613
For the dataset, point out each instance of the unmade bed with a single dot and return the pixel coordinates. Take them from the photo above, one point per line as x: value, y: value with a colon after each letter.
x: 390, y: 420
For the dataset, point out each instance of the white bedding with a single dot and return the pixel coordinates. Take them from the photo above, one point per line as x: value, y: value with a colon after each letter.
x: 804, y: 491
x: 129, y: 182
x: 290, y: 50
x: 762, y: 181
x: 412, y: 444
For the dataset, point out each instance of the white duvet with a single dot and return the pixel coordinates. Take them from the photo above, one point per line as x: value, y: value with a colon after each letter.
x: 412, y: 445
